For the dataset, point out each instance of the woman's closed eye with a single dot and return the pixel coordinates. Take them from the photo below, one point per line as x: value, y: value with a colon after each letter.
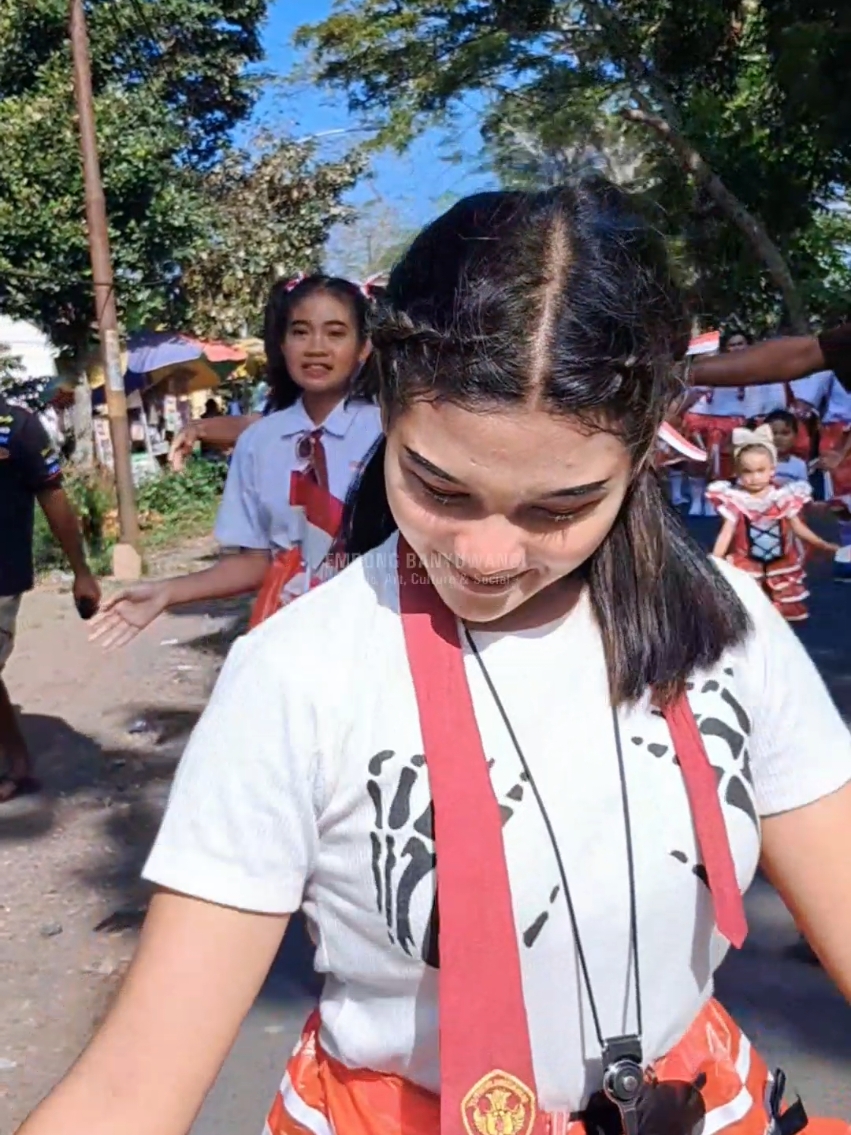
x: 537, y: 515
x: 442, y: 496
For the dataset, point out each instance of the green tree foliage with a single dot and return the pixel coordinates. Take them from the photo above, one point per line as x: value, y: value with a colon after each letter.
x: 273, y: 208
x: 188, y: 215
x: 729, y: 114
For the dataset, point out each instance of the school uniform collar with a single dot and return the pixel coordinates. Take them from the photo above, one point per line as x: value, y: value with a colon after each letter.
x: 295, y: 420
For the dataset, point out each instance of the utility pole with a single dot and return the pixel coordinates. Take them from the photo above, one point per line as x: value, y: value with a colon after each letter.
x: 127, y: 562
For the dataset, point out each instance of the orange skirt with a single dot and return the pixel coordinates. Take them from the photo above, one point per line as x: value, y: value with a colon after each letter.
x: 713, y: 1070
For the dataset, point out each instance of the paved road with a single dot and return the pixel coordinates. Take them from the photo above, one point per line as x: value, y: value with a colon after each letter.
x: 788, y: 1007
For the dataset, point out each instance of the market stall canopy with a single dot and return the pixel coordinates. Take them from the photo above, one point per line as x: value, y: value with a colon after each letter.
x: 255, y: 360
x: 184, y: 364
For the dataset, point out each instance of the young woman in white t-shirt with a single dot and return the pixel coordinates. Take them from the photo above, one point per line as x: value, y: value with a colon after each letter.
x: 516, y: 763
x: 291, y: 469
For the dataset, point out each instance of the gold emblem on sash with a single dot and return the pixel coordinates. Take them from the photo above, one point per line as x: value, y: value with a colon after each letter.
x: 499, y: 1104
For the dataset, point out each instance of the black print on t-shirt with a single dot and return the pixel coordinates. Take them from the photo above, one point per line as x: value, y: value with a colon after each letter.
x: 721, y: 718
x: 530, y: 934
x: 403, y: 852
x: 698, y: 870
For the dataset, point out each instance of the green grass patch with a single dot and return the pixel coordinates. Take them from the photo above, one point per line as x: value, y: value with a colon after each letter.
x: 172, y: 507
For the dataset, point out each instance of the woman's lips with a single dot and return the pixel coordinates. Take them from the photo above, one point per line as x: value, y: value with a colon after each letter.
x: 487, y: 584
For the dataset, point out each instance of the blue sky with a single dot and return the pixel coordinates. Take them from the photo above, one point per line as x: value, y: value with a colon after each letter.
x: 416, y: 182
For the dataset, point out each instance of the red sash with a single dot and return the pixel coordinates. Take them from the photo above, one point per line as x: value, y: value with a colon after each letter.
x: 484, y: 1033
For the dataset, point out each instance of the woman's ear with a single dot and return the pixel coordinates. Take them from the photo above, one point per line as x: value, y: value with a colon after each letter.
x: 365, y: 352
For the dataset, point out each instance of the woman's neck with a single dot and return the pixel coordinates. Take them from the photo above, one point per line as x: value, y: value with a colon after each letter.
x: 319, y: 406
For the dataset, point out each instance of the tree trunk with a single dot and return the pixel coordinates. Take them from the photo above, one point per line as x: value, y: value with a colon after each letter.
x: 753, y: 229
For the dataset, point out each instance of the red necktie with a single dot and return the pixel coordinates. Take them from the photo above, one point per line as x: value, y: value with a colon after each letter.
x: 310, y: 449
x: 485, y: 1050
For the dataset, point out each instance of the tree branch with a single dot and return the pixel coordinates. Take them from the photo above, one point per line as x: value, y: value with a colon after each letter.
x: 696, y: 166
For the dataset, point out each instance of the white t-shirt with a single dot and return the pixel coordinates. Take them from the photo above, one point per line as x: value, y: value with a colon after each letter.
x: 304, y: 785
x: 838, y: 407
x: 791, y: 468
x: 255, y: 511
x: 728, y: 402
x: 814, y: 390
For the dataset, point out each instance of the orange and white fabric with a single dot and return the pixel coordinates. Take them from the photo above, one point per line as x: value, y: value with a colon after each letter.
x: 764, y: 544
x: 285, y: 491
x: 329, y: 810
x: 712, y: 1080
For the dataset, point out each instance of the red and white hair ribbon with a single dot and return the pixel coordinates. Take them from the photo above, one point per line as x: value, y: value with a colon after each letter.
x: 367, y: 288
x: 294, y: 282
x: 671, y: 438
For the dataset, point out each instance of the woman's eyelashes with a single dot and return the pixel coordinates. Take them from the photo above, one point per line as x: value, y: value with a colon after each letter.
x: 535, y: 515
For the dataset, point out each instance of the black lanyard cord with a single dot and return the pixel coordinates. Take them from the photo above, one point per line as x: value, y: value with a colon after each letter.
x: 605, y: 1045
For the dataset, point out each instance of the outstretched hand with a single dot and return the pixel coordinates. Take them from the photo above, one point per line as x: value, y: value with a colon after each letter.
x: 126, y: 613
x: 182, y: 446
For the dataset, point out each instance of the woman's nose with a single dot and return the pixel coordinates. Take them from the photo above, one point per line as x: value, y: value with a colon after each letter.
x: 491, y: 546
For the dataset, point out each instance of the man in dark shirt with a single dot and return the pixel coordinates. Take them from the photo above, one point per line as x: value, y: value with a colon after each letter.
x: 29, y: 471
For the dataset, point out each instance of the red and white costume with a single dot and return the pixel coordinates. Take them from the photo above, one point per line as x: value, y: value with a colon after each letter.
x: 285, y: 490
x: 710, y: 422
x: 835, y: 427
x: 764, y: 544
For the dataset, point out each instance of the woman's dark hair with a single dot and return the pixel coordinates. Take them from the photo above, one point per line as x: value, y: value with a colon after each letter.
x: 564, y: 297
x: 734, y: 332
x: 282, y: 299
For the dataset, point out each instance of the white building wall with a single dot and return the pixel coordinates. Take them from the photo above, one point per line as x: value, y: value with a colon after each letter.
x: 30, y: 345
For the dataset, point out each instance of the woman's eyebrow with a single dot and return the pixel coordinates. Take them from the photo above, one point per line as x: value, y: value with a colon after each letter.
x: 435, y: 470
x: 578, y: 490
x: 428, y: 467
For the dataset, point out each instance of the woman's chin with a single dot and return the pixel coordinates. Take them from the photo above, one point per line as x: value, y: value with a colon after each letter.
x: 477, y: 602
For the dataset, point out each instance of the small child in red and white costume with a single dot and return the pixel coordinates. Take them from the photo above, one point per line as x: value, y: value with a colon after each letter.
x: 710, y: 417
x: 763, y: 532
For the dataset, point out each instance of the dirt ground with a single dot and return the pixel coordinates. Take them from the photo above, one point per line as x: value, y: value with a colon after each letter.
x: 106, y: 731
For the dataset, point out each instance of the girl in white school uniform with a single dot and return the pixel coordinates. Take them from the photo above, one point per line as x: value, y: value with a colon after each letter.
x: 517, y: 762
x: 290, y: 471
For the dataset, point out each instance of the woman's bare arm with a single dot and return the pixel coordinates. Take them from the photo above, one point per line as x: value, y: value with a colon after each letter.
x: 196, y: 974
x: 779, y: 360
x: 220, y: 433
x: 807, y: 856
